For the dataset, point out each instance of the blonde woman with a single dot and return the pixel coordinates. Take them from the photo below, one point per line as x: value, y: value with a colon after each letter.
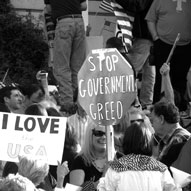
x: 89, y: 164
x: 37, y: 170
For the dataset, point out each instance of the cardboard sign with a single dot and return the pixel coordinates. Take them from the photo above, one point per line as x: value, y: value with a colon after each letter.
x: 72, y: 187
x: 93, y: 42
x: 39, y: 136
x: 106, y: 86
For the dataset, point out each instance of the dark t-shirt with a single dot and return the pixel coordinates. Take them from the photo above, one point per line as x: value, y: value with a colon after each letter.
x: 91, y: 173
x: 65, y: 7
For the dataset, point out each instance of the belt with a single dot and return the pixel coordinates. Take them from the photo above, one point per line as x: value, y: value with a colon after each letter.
x: 68, y: 16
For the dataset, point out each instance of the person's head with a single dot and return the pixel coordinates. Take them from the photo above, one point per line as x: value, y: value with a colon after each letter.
x: 137, y: 139
x: 94, y: 142
x: 34, y: 93
x: 115, y: 42
x: 33, y: 169
x: 36, y: 109
x: 136, y: 115
x: 133, y: 114
x: 53, y: 112
x: 16, y: 183
x: 11, y: 97
x: 163, y: 116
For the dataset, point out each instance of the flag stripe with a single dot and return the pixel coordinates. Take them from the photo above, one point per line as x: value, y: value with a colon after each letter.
x: 120, y: 11
x: 124, y: 20
x: 106, y: 6
x: 124, y: 15
x: 127, y: 28
x: 124, y: 23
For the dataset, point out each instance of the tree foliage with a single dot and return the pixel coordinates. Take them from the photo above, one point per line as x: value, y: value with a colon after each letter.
x: 22, y: 47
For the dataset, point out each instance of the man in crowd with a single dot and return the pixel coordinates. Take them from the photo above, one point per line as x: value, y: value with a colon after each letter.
x: 140, y: 50
x: 165, y: 19
x: 11, y: 99
x: 69, y: 48
x: 169, y: 135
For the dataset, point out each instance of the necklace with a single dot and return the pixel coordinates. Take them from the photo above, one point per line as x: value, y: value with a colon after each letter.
x: 99, y: 164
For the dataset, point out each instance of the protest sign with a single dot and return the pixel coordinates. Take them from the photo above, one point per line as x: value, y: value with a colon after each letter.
x: 106, y: 86
x: 72, y: 187
x: 40, y: 136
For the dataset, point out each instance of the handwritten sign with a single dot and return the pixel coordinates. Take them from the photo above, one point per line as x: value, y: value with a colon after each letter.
x: 40, y: 136
x: 106, y: 86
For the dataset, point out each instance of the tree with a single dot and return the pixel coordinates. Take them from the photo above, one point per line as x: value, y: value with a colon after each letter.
x: 23, y: 49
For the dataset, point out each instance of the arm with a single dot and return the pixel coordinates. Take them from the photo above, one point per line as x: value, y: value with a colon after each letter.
x: 77, y: 174
x: 62, y: 171
x: 168, y: 89
x: 152, y: 29
x: 77, y: 177
x: 83, y: 6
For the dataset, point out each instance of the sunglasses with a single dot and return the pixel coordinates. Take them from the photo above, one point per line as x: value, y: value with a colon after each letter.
x: 98, y: 133
x: 137, y: 120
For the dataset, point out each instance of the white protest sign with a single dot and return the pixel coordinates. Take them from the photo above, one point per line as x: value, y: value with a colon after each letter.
x: 40, y: 136
x: 180, y: 177
x: 106, y: 86
x: 72, y: 187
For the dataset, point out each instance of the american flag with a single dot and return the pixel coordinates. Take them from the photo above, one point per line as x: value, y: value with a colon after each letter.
x: 124, y: 21
x: 106, y: 5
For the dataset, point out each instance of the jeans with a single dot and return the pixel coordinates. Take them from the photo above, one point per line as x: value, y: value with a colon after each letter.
x: 69, y: 55
x: 138, y: 56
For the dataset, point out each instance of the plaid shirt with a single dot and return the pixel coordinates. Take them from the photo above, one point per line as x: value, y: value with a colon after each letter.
x: 170, y: 146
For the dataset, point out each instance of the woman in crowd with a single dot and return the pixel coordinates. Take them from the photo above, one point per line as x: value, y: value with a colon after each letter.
x: 134, y: 114
x: 137, y: 170
x: 89, y: 165
x: 138, y: 115
x: 33, y: 169
x: 36, y: 170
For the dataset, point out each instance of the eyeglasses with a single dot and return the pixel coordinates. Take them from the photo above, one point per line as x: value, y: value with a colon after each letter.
x: 137, y: 120
x: 98, y: 133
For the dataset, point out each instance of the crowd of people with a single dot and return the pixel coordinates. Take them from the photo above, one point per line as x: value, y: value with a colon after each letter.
x: 88, y: 167
x: 154, y: 140
x: 149, y: 139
